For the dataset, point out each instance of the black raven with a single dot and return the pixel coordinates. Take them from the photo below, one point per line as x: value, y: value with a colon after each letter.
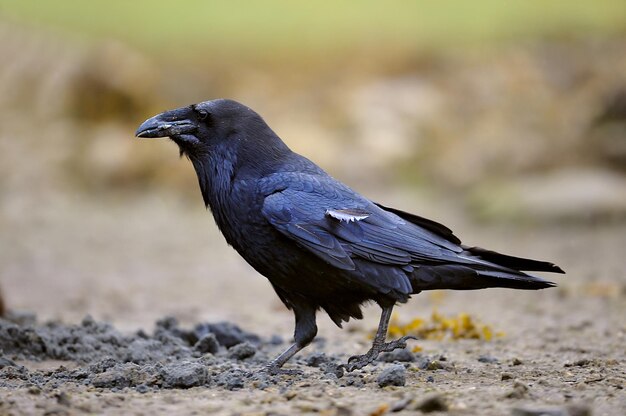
x: 319, y: 243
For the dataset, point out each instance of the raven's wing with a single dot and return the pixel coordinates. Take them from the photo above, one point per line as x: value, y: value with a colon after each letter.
x: 378, y: 247
x: 353, y: 234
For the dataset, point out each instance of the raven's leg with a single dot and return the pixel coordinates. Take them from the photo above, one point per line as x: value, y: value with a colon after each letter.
x: 306, y: 329
x: 359, y: 361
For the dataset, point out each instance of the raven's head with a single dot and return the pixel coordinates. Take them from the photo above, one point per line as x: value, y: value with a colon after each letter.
x: 221, y: 138
x: 200, y: 128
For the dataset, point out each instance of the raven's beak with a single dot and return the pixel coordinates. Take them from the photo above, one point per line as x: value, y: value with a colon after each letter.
x: 166, y: 124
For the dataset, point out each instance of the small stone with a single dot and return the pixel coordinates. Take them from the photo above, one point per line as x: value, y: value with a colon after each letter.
x: 519, y: 391
x: 227, y: 334
x: 401, y: 355
x: 353, y: 380
x: 333, y: 369
x: 242, y: 351
x: 167, y: 323
x: 115, y: 377
x: 506, y: 376
x: 63, y: 398
x: 517, y: 361
x: 582, y: 362
x: 88, y: 321
x: 142, y: 388
x: 290, y: 395
x: 207, y: 344
x: 432, y: 403
x: 232, y: 380
x: 5, y: 362
x: 487, y: 359
x: 392, y: 376
x: 316, y: 359
x: 184, y: 375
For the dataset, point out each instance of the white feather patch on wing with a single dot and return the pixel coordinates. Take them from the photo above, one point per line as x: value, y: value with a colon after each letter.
x: 347, y: 215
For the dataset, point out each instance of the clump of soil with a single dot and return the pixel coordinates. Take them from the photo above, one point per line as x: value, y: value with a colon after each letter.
x: 209, y: 354
x: 169, y: 357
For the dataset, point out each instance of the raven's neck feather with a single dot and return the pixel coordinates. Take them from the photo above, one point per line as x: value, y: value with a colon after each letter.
x: 221, y: 167
x: 215, y: 177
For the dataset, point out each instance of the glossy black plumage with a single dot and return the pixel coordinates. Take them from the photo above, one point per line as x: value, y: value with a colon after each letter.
x: 321, y: 244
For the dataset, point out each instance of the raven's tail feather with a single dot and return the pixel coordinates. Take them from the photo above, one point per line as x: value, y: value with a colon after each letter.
x: 514, y: 280
x: 511, y: 262
x: 466, y: 277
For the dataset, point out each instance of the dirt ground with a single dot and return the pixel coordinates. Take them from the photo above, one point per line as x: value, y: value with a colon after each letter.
x: 132, y: 261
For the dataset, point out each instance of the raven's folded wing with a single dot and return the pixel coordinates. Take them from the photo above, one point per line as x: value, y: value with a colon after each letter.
x: 339, y: 235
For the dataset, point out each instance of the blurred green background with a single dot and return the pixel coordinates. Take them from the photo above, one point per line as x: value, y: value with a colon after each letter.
x: 452, y: 93
x: 497, y: 112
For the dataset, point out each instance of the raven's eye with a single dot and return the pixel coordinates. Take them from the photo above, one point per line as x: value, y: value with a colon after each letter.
x: 202, y: 114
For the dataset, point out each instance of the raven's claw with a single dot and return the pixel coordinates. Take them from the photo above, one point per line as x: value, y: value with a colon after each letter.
x: 356, y: 362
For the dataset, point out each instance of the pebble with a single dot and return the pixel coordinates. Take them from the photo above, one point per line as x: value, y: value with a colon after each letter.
x: 333, y: 369
x: 118, y: 376
x: 5, y: 362
x: 63, y: 398
x: 207, y: 344
x: 184, y: 374
x: 316, y: 359
x: 232, y: 380
x: 487, y: 359
x: 227, y: 334
x: 402, y: 355
x: 432, y: 403
x: 392, y: 376
x: 242, y: 351
x: 142, y: 388
x: 519, y: 391
x: 579, y: 363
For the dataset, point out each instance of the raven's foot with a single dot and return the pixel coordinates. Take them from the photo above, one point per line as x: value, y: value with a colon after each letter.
x: 357, y: 362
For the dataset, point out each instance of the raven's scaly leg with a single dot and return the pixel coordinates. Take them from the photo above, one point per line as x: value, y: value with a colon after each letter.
x: 273, y: 367
x: 306, y: 329
x: 359, y: 361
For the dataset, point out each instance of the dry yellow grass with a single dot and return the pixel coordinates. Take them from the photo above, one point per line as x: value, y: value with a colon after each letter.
x: 439, y: 327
